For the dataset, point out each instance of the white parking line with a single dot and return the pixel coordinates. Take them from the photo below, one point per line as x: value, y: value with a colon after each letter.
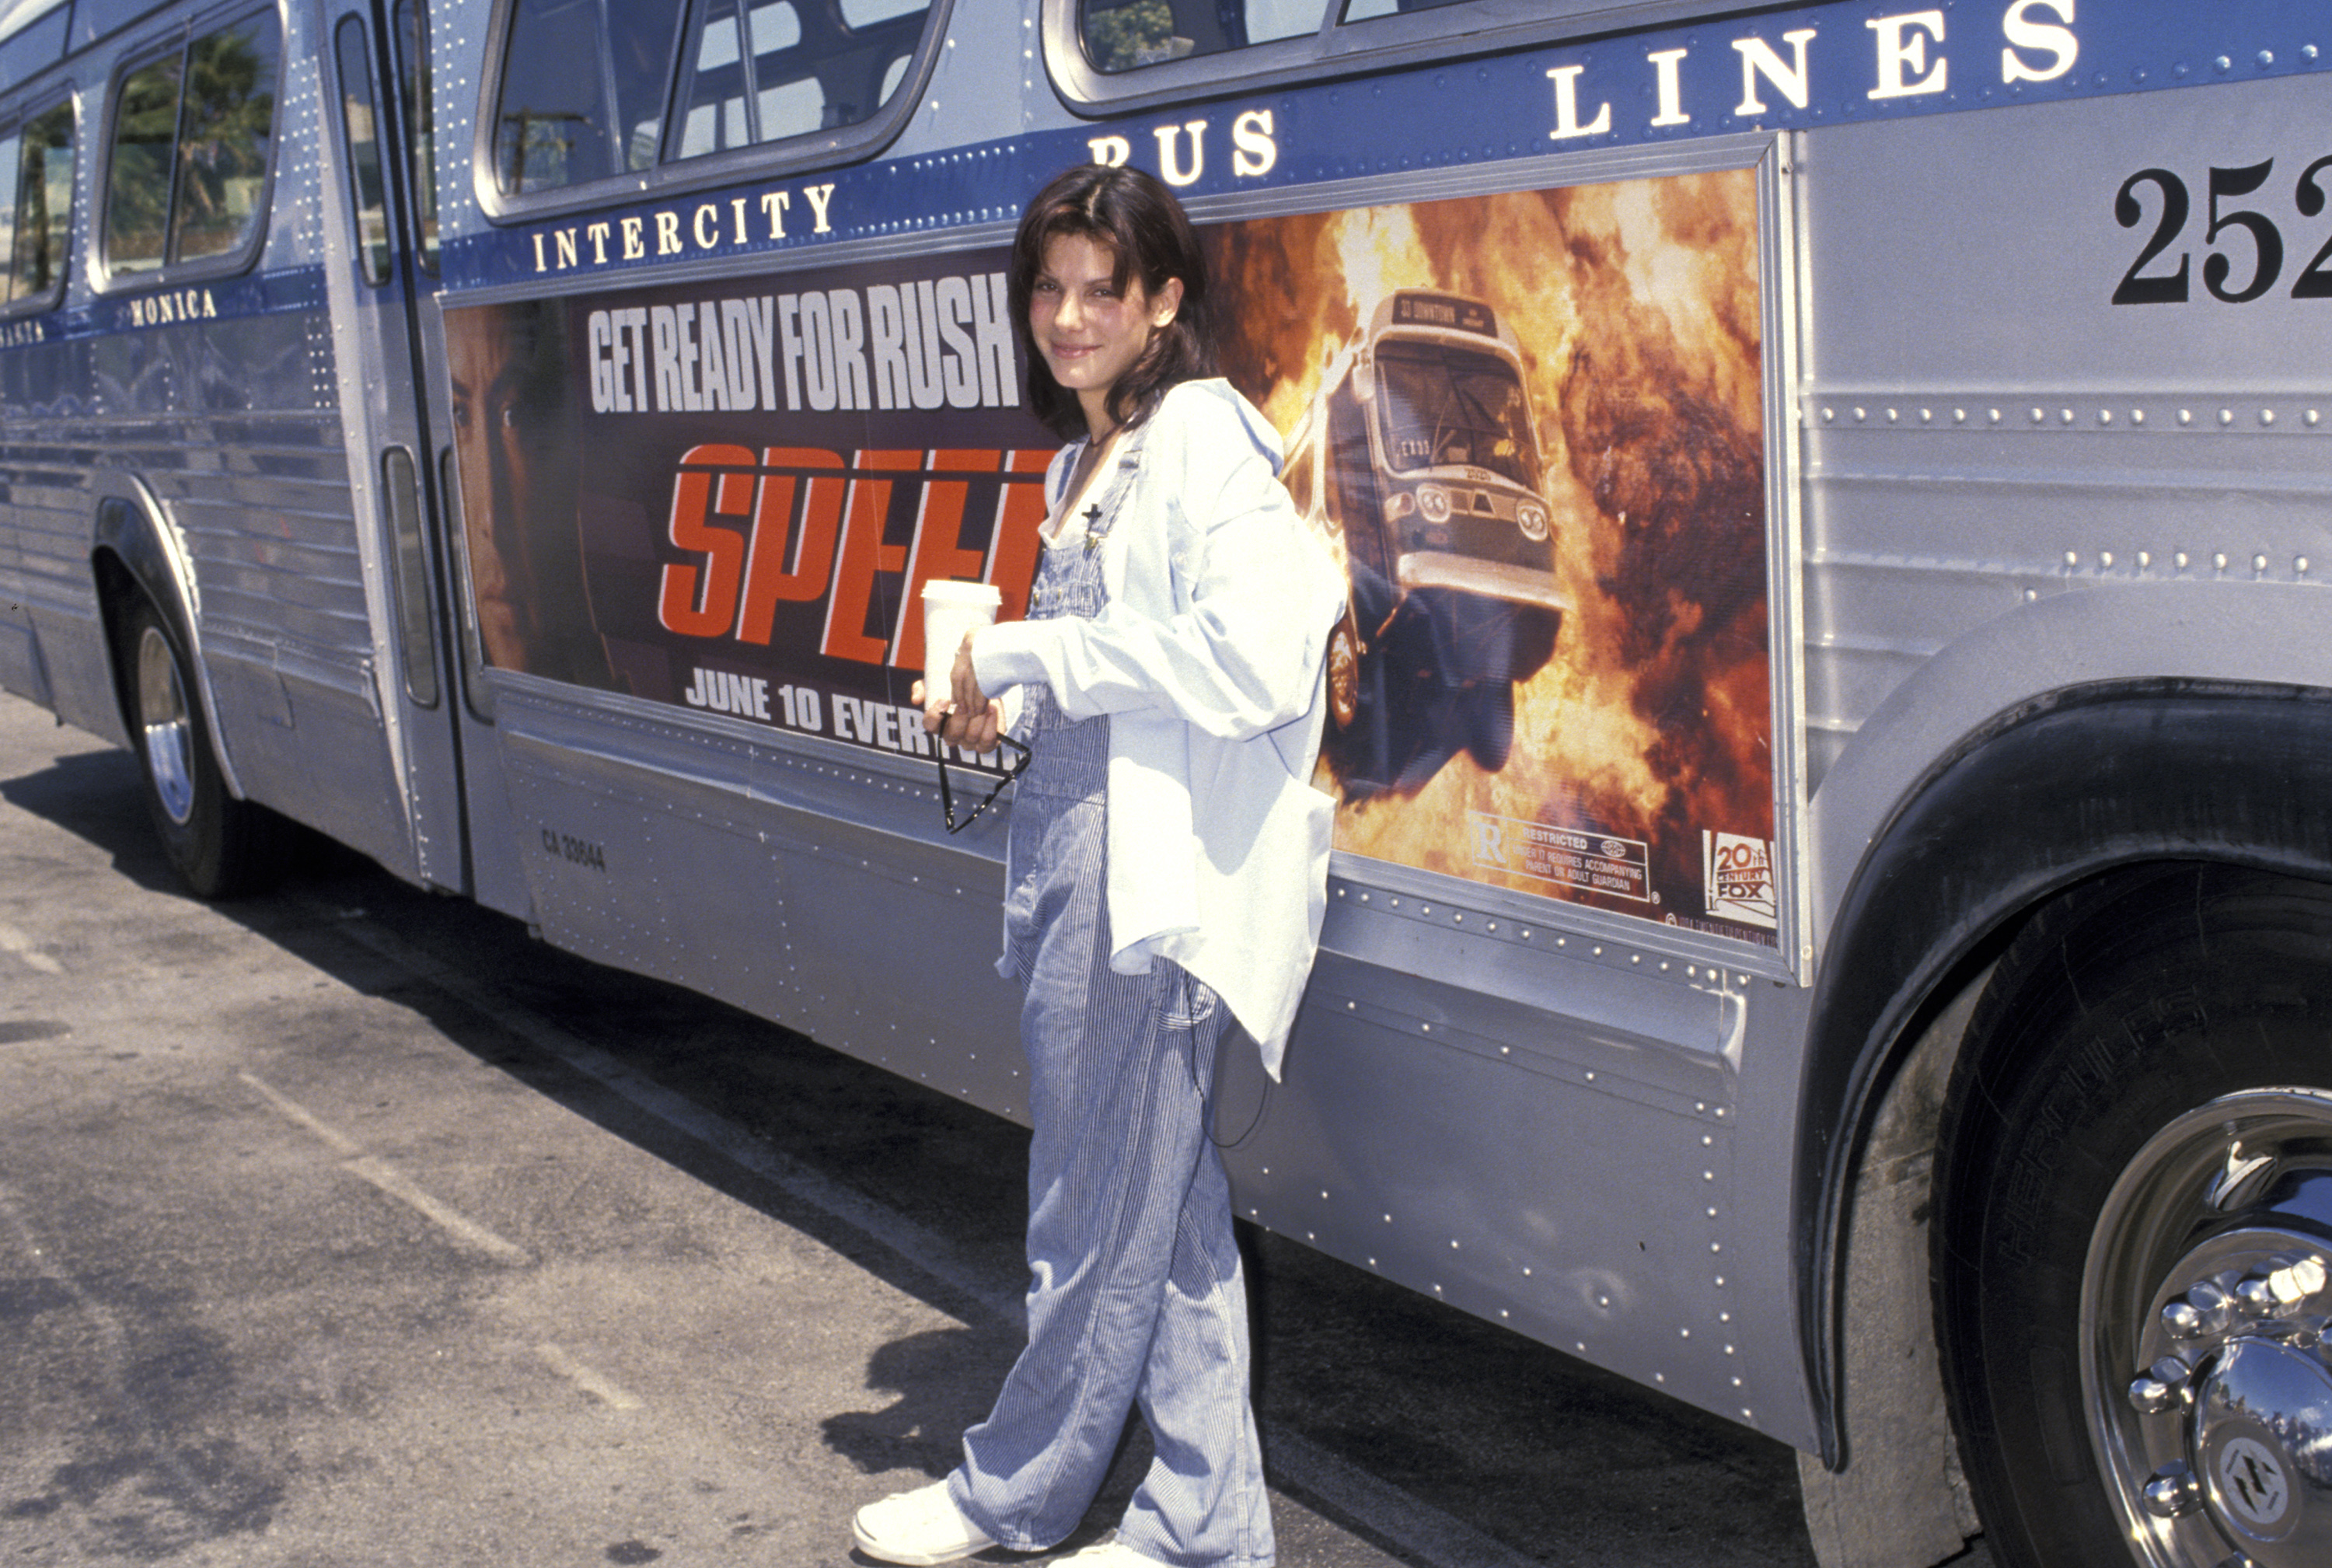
x: 13, y: 940
x: 389, y: 1179
x: 454, y: 1223
x: 591, y: 1382
x: 339, y: 1142
x: 1413, y: 1528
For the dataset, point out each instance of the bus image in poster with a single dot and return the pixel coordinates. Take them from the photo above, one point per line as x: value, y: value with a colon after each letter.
x: 1420, y: 462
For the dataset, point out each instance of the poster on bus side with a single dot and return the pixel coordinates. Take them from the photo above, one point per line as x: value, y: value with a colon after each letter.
x: 1530, y: 423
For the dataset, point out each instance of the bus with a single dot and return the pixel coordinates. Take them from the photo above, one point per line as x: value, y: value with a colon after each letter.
x: 1875, y: 990
x: 1417, y: 463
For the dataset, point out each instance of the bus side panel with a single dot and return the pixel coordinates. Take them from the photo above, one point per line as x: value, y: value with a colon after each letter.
x: 1562, y: 1168
x: 769, y: 879
x: 220, y: 419
x: 1989, y: 428
x: 639, y: 848
x: 895, y: 943
x: 52, y: 647
x: 1538, y: 1128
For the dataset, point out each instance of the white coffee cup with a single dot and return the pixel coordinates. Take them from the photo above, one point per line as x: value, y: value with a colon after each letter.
x: 950, y: 610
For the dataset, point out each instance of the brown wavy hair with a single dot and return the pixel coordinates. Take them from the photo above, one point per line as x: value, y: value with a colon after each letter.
x: 1137, y: 219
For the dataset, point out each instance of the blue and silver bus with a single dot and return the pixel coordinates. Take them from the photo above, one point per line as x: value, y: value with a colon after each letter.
x: 1832, y: 915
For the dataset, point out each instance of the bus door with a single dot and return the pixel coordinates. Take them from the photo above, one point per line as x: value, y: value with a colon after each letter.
x: 378, y: 66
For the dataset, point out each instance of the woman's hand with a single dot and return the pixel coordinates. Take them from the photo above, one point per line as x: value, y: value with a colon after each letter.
x: 966, y: 716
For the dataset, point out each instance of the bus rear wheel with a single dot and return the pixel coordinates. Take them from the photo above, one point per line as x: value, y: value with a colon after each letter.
x: 218, y: 845
x: 2135, y: 1263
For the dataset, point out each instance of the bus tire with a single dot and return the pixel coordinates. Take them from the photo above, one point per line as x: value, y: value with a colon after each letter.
x: 220, y: 846
x: 2132, y: 1262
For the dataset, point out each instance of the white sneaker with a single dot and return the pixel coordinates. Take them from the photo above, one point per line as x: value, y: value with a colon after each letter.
x: 918, y: 1528
x: 1110, y: 1555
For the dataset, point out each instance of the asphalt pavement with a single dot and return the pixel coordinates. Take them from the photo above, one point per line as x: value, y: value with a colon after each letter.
x: 348, y: 1225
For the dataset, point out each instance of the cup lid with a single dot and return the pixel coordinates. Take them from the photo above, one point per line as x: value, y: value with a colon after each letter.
x: 948, y: 591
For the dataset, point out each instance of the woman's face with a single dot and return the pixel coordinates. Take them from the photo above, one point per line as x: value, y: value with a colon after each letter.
x: 1089, y: 332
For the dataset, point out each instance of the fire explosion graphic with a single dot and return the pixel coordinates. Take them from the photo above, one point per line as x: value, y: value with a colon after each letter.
x: 1636, y: 308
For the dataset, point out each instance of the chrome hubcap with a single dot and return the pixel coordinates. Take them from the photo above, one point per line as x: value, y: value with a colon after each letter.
x: 165, y: 731
x: 2210, y: 1274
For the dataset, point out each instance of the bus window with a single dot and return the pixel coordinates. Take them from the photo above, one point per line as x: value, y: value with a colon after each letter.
x: 11, y: 168
x: 420, y: 130
x: 557, y: 123
x: 1121, y: 37
x: 360, y: 125
x: 43, y: 205
x: 762, y: 73
x: 1448, y: 407
x: 137, y: 167
x: 36, y: 204
x: 715, y: 117
x: 224, y: 139
x: 192, y: 139
x: 784, y: 108
x: 1363, y: 10
x: 749, y: 73
x: 1155, y: 53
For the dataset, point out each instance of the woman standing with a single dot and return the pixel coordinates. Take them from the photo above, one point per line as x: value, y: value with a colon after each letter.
x: 1166, y: 875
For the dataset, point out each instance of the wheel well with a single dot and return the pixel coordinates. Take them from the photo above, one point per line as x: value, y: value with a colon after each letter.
x: 2057, y: 796
x: 118, y: 589
x: 2033, y: 957
x: 129, y: 561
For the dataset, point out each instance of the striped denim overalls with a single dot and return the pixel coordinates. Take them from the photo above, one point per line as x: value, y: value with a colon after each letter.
x: 1136, y: 1292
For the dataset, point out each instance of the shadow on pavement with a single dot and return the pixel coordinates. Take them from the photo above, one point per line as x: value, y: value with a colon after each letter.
x: 1532, y: 1446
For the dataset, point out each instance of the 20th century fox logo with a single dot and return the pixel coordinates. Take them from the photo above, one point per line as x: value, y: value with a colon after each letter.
x: 1738, y: 872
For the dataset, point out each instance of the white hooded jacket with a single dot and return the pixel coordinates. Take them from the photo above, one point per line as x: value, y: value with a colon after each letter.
x: 1210, y: 659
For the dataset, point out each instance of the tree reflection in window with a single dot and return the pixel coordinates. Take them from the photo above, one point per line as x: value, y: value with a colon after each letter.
x: 223, y: 144
x: 138, y: 179
x: 40, y: 168
x: 192, y: 137
x: 1125, y: 36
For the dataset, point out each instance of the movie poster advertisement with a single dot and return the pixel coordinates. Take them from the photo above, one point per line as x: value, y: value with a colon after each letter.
x: 1529, y: 424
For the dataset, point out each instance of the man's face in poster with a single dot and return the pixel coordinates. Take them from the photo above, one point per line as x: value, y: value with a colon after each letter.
x: 518, y: 466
